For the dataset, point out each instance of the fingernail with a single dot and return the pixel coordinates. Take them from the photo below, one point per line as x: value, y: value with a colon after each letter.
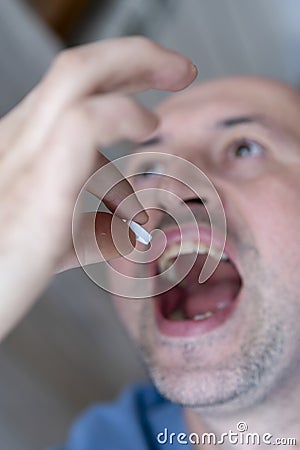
x: 142, y: 217
x: 142, y: 235
x: 194, y: 69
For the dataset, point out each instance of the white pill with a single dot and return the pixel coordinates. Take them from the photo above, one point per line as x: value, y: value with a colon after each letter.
x: 142, y: 235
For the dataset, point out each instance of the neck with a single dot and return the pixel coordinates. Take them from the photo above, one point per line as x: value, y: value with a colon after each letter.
x: 277, y: 415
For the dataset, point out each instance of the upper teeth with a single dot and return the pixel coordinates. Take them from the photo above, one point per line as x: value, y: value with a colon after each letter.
x: 187, y: 247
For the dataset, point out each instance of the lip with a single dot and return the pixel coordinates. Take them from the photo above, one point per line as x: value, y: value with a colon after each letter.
x: 192, y: 232
x: 190, y: 328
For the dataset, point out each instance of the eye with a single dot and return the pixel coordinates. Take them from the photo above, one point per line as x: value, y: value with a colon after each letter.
x: 246, y: 149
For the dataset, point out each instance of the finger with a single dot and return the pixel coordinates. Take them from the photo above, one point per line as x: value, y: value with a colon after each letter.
x: 94, y: 123
x: 117, y: 188
x: 114, y: 118
x: 99, y: 122
x: 102, y: 67
x: 100, y: 237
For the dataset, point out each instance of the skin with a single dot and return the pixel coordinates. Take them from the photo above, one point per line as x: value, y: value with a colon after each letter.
x: 48, y: 151
x: 248, y: 368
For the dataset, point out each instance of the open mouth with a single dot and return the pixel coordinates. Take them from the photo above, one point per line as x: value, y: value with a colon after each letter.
x: 190, y: 308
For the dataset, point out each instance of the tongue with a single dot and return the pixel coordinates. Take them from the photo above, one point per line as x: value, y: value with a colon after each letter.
x: 211, y: 297
x: 216, y: 293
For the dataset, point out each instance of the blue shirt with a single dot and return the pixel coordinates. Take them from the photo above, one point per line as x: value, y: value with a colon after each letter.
x: 140, y: 419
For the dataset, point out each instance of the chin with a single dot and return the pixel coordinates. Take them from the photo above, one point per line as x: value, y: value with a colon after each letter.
x: 213, y: 392
x: 219, y: 346
x: 217, y: 371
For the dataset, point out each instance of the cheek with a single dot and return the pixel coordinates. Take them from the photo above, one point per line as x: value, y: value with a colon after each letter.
x: 272, y: 213
x: 129, y: 310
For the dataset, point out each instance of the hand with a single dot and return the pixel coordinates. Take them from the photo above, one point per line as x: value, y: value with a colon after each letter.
x: 48, y: 150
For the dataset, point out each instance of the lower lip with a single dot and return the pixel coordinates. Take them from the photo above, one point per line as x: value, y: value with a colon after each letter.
x: 190, y: 328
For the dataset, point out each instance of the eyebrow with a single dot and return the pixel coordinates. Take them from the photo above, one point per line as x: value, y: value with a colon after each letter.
x: 223, y: 123
x: 239, y: 120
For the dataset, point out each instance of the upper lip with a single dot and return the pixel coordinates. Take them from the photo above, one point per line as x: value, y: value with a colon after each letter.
x: 189, y: 231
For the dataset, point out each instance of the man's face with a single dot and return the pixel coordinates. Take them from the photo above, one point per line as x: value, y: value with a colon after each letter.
x: 227, y: 342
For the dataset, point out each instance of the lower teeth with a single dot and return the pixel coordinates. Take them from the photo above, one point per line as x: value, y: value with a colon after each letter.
x: 203, y: 316
x: 177, y: 314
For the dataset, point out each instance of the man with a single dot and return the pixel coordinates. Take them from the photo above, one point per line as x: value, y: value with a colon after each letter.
x: 240, y: 363
x: 223, y: 354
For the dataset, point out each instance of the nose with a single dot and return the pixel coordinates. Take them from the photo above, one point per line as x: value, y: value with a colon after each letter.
x: 196, y: 192
x: 196, y: 201
x: 191, y: 188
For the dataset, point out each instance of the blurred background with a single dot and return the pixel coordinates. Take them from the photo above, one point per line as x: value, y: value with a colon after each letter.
x: 70, y: 351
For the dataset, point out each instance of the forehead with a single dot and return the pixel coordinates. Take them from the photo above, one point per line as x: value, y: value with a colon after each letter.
x: 203, y: 106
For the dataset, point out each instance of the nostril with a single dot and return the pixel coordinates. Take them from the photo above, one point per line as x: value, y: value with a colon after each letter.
x: 197, y: 200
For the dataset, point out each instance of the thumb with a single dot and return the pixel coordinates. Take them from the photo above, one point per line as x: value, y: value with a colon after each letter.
x: 100, y: 237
